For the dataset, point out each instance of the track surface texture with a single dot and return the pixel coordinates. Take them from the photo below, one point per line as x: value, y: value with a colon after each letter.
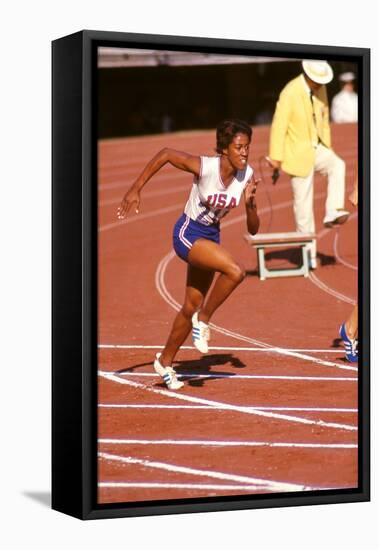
x: 272, y: 407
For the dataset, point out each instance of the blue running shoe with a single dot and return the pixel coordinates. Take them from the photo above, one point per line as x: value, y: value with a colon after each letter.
x: 351, y: 348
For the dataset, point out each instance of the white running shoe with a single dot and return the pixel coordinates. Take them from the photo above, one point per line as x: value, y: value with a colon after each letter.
x: 167, y: 374
x: 335, y: 217
x: 200, y: 334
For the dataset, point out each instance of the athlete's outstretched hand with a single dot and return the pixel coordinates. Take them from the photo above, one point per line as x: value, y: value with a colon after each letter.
x: 250, y: 191
x: 131, y: 197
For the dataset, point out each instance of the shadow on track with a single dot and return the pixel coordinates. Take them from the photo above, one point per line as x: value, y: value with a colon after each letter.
x: 196, y: 368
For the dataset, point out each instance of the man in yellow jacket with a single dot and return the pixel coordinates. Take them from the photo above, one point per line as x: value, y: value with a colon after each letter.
x: 300, y: 144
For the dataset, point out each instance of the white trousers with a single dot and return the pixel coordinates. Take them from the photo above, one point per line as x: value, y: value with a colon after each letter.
x: 330, y: 165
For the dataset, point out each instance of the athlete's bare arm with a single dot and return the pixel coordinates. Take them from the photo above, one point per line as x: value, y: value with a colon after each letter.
x: 179, y: 159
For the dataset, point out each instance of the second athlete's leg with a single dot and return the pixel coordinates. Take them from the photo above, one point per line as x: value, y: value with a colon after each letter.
x: 197, y: 286
x: 352, y: 323
x: 210, y: 255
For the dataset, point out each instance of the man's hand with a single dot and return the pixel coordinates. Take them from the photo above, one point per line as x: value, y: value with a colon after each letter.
x: 275, y: 164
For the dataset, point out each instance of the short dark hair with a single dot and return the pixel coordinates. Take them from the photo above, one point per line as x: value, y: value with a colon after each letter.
x: 226, y: 131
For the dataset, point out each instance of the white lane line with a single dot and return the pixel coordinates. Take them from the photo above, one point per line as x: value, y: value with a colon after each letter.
x: 205, y: 473
x: 210, y: 443
x: 321, y: 285
x: 216, y: 348
x: 243, y: 376
x: 337, y: 255
x: 140, y: 217
x: 162, y: 289
x: 208, y: 407
x: 330, y: 290
x: 109, y: 175
x: 188, y: 486
x: 226, y: 406
x: 152, y: 194
x: 158, y: 178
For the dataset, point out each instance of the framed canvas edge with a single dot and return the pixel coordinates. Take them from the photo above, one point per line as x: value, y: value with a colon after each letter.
x: 87, y: 456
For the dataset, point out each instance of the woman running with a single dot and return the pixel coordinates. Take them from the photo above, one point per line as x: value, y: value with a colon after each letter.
x: 219, y: 182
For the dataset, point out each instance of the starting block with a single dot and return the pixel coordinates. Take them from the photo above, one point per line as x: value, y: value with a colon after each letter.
x: 279, y: 240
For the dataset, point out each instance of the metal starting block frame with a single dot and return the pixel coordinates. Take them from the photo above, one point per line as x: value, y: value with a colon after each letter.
x: 280, y: 240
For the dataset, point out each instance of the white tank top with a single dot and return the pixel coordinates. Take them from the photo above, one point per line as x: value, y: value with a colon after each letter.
x: 210, y: 200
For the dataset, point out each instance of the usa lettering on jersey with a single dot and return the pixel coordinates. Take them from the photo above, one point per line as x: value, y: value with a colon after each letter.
x: 219, y: 200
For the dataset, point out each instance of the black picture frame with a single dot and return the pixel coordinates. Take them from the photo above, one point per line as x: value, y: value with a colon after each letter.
x: 74, y: 273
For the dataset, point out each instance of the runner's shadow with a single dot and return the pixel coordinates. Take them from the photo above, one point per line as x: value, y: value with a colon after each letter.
x: 134, y: 367
x: 337, y: 343
x: 202, y: 367
x: 344, y: 360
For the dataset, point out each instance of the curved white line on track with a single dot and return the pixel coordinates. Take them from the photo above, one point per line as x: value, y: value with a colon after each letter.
x: 315, y: 280
x: 324, y: 287
x: 227, y: 406
x: 213, y: 443
x: 271, y: 485
x: 162, y: 289
x: 208, y: 407
x: 337, y: 255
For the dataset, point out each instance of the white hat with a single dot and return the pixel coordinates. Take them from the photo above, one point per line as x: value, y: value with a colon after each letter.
x: 347, y: 77
x: 318, y: 71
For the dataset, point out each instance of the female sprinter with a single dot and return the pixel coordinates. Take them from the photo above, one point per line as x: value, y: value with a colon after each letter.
x: 218, y: 184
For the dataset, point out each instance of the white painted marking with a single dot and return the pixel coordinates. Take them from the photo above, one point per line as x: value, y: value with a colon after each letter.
x: 329, y: 290
x: 162, y: 289
x: 206, y: 473
x: 338, y: 256
x: 245, y: 376
x: 216, y: 348
x: 140, y: 217
x: 151, y: 194
x: 210, y: 443
x: 324, y: 287
x: 208, y: 407
x: 234, y: 408
x: 187, y: 486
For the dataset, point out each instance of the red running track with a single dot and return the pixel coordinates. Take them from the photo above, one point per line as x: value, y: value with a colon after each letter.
x: 273, y: 406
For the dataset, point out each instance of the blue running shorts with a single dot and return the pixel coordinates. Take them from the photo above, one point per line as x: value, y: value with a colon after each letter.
x: 187, y: 231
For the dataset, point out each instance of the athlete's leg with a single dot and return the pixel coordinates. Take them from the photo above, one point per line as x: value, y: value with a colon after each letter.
x: 352, y: 324
x: 209, y: 255
x: 197, y: 286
